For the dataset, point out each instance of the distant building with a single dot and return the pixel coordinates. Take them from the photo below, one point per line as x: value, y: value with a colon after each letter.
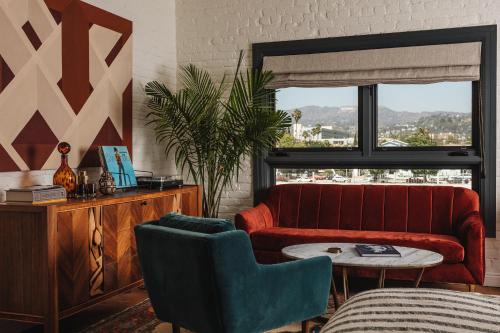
x: 394, y: 143
x: 340, y: 141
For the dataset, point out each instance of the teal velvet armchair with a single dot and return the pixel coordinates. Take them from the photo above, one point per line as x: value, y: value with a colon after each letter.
x: 208, y: 281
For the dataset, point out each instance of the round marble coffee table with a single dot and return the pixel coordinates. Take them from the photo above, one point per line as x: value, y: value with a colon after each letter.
x: 411, y: 258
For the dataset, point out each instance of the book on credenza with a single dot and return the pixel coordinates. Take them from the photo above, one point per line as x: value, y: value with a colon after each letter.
x: 36, y: 194
x: 375, y: 250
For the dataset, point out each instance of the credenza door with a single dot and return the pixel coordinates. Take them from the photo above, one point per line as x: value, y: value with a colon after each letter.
x: 73, y: 269
x: 121, y: 264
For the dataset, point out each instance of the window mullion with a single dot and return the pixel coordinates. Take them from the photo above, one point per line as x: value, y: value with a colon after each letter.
x: 366, y: 122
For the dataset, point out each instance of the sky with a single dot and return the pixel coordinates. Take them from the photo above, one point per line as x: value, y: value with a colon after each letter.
x: 446, y: 96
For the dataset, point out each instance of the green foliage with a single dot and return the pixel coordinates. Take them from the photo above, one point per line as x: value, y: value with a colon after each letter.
x: 376, y: 173
x: 420, y: 138
x: 316, y: 131
x: 296, y: 115
x: 288, y: 141
x: 208, y: 133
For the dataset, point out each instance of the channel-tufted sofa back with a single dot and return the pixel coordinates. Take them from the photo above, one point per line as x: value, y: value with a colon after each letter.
x: 412, y: 208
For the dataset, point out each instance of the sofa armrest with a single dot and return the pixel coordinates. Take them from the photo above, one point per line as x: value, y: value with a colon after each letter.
x: 254, y: 219
x: 472, y: 235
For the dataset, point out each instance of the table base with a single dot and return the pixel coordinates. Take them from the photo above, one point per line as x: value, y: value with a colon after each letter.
x: 345, y: 283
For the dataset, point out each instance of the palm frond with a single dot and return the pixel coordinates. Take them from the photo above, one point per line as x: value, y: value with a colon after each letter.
x: 209, y: 131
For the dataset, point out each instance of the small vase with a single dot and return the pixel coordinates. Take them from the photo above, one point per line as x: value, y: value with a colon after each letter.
x: 65, y: 176
x: 107, y: 183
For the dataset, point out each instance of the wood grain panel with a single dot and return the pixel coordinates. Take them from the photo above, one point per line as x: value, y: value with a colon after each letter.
x: 23, y: 266
x: 121, y: 266
x: 189, y: 203
x: 96, y: 282
x: 159, y: 207
x: 73, y: 257
x: 50, y: 252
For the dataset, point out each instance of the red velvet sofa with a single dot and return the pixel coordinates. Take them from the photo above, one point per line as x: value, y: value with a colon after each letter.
x: 444, y: 219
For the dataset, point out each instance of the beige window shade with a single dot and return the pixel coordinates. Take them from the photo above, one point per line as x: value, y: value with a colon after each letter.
x: 415, y: 64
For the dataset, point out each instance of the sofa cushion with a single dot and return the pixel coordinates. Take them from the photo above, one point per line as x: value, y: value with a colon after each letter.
x: 196, y: 224
x: 274, y: 239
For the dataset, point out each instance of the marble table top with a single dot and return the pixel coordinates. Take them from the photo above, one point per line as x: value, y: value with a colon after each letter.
x: 410, y: 257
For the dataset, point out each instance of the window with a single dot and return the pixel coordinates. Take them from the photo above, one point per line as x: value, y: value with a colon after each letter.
x: 420, y: 115
x: 452, y: 177
x: 414, y: 132
x: 321, y: 117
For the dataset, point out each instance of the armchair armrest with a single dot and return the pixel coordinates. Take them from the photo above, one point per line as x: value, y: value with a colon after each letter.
x: 254, y: 219
x: 296, y: 290
x: 256, y: 298
x: 472, y: 235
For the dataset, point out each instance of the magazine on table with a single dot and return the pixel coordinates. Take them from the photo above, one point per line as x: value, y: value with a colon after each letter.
x: 375, y: 250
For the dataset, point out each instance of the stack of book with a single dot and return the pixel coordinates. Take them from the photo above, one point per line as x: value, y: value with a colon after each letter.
x: 36, y: 194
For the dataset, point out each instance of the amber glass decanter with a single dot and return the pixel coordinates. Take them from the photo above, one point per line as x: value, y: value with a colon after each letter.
x: 64, y: 176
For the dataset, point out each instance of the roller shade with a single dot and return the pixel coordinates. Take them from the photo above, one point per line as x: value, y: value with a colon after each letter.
x: 414, y: 64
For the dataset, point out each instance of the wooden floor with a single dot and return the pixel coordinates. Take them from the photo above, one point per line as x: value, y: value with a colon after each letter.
x: 80, y: 321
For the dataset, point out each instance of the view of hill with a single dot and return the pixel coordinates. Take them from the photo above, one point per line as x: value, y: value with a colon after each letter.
x: 312, y: 115
x: 347, y: 116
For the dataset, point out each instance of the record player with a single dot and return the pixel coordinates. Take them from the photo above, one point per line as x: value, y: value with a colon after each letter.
x: 159, y: 182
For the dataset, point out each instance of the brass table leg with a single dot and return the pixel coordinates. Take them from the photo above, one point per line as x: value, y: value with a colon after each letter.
x: 381, y: 278
x: 419, y: 278
x: 334, y: 293
x: 345, y: 282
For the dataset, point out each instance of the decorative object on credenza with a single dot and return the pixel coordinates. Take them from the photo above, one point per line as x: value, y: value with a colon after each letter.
x: 159, y: 182
x: 211, y: 131
x: 84, y: 189
x: 91, y: 190
x: 116, y: 160
x: 36, y: 194
x: 69, y: 88
x: 65, y: 176
x: 81, y: 188
x: 107, y: 183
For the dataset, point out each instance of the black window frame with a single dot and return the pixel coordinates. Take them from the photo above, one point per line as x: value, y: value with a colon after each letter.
x: 367, y: 154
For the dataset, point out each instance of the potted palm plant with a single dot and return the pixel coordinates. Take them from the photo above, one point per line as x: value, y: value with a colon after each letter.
x: 210, y: 128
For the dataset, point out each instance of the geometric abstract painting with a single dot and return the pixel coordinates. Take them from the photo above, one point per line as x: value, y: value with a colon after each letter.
x: 65, y: 75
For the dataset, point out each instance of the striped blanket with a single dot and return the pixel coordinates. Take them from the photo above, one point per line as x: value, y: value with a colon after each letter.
x: 417, y: 310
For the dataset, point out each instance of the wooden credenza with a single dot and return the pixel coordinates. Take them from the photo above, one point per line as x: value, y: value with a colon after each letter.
x: 58, y: 259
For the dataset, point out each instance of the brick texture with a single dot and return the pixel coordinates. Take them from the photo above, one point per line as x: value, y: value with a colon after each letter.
x: 211, y: 33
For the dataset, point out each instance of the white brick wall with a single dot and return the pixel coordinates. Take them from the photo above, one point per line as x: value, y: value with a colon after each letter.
x: 154, y: 59
x: 211, y: 33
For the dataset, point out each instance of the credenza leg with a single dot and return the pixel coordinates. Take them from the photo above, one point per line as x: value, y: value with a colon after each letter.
x: 176, y: 329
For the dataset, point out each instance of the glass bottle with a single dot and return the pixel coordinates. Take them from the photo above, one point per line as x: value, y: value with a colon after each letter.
x: 65, y: 176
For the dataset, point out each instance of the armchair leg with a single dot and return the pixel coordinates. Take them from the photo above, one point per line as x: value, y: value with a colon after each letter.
x: 472, y: 288
x: 176, y: 329
x: 305, y: 326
